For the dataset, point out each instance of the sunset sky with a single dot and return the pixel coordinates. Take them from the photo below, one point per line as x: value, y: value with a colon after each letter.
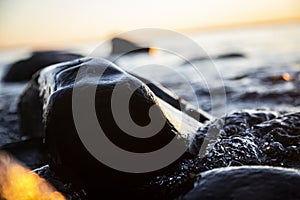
x: 37, y: 23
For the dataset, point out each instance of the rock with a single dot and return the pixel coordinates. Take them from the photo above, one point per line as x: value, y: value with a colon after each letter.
x: 30, y: 110
x: 24, y: 69
x: 279, y: 140
x: 123, y: 46
x: 251, y: 138
x: 205, y: 58
x: 30, y: 152
x: 175, y: 101
x: 230, y: 55
x: 31, y: 122
x: 241, y: 142
x: 70, y: 190
x: 52, y: 93
x: 246, y: 183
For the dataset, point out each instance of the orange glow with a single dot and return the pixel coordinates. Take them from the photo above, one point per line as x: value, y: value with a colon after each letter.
x: 42, y: 23
x: 286, y: 77
x: 19, y: 183
x: 152, y: 51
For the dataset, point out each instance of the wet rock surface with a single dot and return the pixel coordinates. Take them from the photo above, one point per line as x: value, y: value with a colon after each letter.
x: 250, y: 137
x: 255, y: 137
x: 9, y: 120
x: 9, y: 129
x: 246, y: 183
x: 71, y: 190
x: 30, y: 152
x: 24, y: 69
x: 68, y: 156
x: 31, y: 123
x: 241, y: 141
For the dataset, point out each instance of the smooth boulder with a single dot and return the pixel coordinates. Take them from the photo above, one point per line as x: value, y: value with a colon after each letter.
x: 31, y: 123
x: 247, y: 182
x: 54, y: 88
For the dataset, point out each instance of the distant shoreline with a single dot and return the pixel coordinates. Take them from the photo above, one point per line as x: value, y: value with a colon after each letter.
x: 195, y: 30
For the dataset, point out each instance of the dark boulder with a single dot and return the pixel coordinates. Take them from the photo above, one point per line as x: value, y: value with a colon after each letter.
x: 24, y: 69
x: 52, y: 91
x: 30, y: 110
x: 230, y: 55
x: 175, y: 101
x: 31, y: 122
x: 265, y: 183
x: 123, y: 46
x: 252, y: 137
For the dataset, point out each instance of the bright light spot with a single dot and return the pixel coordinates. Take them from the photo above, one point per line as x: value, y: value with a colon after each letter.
x: 286, y: 77
x: 19, y: 183
x: 152, y: 51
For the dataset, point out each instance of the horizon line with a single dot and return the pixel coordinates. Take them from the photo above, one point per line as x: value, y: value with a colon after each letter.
x: 196, y: 29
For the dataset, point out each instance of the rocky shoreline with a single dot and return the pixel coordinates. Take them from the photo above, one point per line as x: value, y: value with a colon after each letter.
x: 45, y: 139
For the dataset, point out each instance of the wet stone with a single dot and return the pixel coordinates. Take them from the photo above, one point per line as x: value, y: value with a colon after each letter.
x: 249, y: 137
x: 71, y: 191
x: 50, y: 94
x: 245, y: 138
x: 24, y: 69
x: 246, y: 183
